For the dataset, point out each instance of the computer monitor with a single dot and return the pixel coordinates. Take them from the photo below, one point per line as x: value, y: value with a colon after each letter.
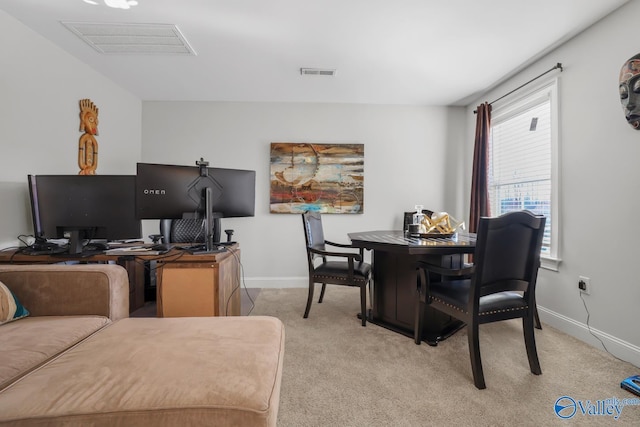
x: 79, y: 207
x: 175, y: 191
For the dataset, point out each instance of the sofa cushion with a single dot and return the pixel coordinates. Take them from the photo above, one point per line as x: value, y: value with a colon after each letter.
x: 30, y: 342
x: 204, y: 371
x: 10, y: 307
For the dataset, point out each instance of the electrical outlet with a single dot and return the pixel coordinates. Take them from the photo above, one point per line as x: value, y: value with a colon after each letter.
x: 584, y: 284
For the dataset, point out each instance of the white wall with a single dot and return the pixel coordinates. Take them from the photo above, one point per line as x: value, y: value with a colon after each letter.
x: 412, y: 155
x: 39, y: 120
x: 406, y: 150
x: 598, y: 188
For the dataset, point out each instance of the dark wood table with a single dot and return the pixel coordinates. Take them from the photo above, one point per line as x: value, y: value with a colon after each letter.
x: 394, y: 295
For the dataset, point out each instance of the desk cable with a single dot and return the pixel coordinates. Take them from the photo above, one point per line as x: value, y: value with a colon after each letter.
x: 240, y: 281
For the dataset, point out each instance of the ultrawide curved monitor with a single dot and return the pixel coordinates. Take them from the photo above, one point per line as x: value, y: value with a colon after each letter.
x: 175, y: 191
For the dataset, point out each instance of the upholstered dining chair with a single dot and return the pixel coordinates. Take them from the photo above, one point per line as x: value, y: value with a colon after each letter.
x: 408, y: 219
x: 500, y: 285
x: 348, y: 270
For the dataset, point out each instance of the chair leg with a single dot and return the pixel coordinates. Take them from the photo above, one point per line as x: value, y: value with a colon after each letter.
x: 419, y: 321
x: 370, y: 285
x: 474, y: 351
x: 536, y: 317
x: 530, y: 343
x: 309, y: 299
x: 324, y: 286
x: 363, y: 304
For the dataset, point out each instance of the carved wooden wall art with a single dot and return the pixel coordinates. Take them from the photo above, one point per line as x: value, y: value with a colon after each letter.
x: 88, y: 145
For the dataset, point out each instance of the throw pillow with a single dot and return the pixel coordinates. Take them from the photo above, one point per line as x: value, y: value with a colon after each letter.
x: 10, y: 307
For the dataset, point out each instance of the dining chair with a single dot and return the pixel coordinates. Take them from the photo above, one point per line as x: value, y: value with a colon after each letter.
x: 408, y: 218
x: 500, y: 285
x: 349, y: 270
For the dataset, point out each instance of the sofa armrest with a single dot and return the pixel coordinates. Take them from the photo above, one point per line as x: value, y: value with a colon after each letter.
x: 67, y: 290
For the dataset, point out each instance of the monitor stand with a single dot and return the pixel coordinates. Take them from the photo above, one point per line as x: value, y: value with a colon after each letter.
x: 76, y: 247
x: 212, y: 228
x: 75, y: 242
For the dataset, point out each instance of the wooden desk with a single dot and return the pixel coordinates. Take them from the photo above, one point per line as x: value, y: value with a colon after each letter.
x: 222, y: 268
x: 199, y: 285
x: 394, y: 262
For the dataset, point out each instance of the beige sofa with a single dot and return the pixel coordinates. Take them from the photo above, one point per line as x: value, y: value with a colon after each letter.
x: 78, y: 359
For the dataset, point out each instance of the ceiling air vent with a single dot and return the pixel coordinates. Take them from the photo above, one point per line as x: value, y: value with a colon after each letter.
x: 317, y: 72
x: 150, y: 39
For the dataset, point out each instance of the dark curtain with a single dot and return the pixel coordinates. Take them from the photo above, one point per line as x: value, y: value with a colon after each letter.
x: 479, y: 185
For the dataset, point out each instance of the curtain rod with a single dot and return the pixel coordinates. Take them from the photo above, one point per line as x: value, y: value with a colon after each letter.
x: 558, y: 65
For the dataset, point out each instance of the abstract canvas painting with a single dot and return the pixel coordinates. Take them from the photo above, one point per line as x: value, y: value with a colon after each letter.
x: 325, y: 178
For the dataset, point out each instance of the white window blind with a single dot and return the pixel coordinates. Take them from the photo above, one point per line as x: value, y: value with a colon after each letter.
x: 522, y: 161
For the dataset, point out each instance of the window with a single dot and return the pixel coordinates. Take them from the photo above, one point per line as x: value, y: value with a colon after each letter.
x: 523, y: 162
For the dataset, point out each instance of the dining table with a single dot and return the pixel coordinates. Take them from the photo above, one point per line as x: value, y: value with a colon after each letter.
x: 394, y: 295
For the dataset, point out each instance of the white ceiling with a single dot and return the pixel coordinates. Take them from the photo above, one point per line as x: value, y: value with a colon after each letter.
x: 423, y: 52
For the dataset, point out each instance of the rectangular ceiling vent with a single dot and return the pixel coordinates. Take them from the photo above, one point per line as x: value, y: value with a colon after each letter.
x: 317, y: 72
x: 146, y: 39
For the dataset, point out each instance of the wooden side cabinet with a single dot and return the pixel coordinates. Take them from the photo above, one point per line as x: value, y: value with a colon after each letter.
x: 200, y: 285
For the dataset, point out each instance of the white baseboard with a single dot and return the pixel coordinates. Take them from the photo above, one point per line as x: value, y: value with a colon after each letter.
x: 277, y: 282
x: 615, y: 346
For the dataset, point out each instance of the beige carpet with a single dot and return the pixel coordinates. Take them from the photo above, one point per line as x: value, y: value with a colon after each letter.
x: 338, y: 373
